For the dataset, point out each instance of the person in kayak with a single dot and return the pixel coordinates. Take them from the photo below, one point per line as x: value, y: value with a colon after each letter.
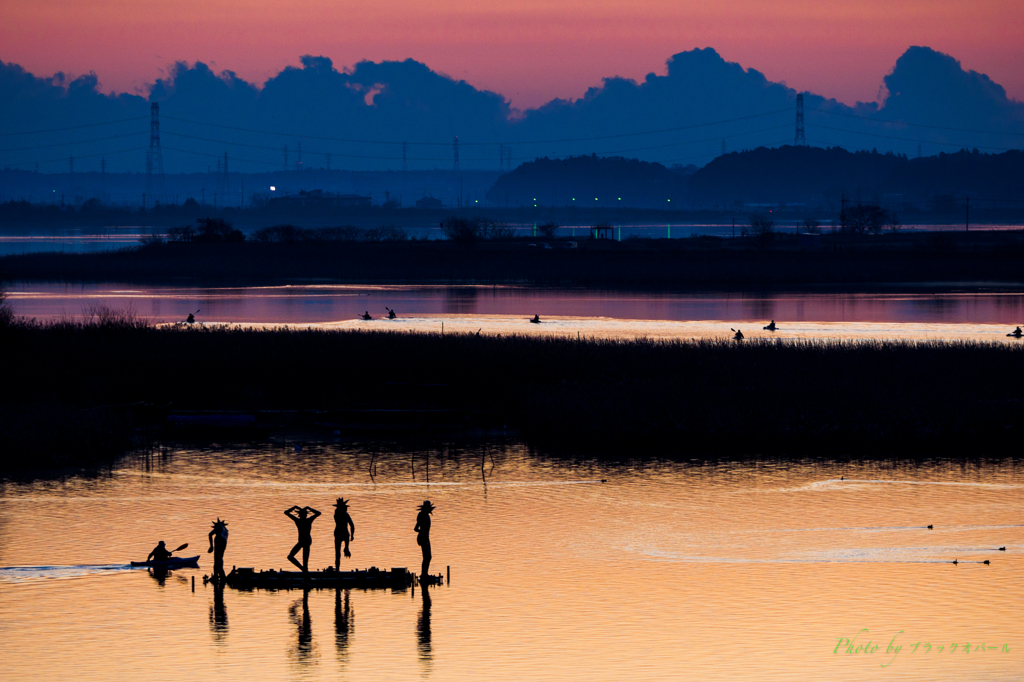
x: 391, y: 313
x: 423, y: 537
x: 536, y: 319
x: 366, y: 315
x: 1016, y: 332
x: 342, y: 524
x: 218, y: 543
x: 159, y: 553
x: 771, y: 326
x: 304, y: 523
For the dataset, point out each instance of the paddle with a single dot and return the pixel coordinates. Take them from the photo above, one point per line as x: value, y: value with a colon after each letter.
x: 180, y: 548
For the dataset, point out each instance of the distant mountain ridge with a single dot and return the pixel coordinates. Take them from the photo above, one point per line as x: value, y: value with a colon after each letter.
x: 387, y: 115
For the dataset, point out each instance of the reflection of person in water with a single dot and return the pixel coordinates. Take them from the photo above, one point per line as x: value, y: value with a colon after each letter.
x: 304, y: 648
x: 304, y: 524
x: 342, y: 525
x: 423, y: 626
x: 218, y: 614
x: 159, y: 553
x: 423, y: 537
x: 343, y: 622
x: 218, y: 543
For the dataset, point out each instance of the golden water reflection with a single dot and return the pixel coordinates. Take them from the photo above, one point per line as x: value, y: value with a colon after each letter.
x: 748, y: 570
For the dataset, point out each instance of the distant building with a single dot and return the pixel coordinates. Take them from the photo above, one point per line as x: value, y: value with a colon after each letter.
x: 317, y: 198
x: 429, y: 202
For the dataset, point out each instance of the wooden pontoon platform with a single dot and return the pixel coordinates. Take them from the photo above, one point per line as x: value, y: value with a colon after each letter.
x: 371, y: 578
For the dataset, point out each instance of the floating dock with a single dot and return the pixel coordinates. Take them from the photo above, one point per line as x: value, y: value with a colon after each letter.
x: 371, y: 578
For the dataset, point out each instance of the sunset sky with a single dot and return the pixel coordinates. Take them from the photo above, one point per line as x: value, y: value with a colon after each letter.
x: 528, y: 50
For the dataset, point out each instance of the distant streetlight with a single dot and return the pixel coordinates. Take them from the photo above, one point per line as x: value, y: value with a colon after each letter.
x: 272, y: 188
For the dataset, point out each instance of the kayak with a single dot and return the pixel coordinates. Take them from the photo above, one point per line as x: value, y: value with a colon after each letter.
x: 173, y: 562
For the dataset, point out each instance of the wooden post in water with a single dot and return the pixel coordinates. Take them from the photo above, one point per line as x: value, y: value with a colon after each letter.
x: 448, y: 580
x: 193, y: 583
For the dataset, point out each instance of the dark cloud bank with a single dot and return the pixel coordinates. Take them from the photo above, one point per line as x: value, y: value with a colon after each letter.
x: 379, y: 105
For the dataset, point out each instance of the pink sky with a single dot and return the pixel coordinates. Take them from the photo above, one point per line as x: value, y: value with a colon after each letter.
x: 528, y: 50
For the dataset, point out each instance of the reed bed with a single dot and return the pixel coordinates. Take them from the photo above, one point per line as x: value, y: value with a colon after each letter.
x: 698, y: 398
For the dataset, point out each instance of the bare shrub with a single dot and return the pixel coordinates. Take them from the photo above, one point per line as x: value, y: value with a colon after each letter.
x: 548, y: 229
x: 761, y: 228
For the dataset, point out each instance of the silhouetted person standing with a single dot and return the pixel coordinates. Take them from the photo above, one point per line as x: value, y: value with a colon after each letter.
x: 218, y: 543
x: 423, y: 537
x: 304, y: 524
x: 342, y: 526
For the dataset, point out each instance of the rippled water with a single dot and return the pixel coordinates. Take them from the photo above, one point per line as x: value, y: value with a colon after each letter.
x: 663, y: 571
x: 980, y: 313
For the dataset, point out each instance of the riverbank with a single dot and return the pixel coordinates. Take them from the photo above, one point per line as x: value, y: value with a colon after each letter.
x: 634, y: 263
x: 622, y: 399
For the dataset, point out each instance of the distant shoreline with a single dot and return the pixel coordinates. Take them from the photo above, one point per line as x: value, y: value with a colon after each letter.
x: 679, y: 264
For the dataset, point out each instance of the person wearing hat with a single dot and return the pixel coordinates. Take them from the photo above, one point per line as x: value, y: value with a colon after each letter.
x: 159, y: 553
x: 218, y: 543
x: 342, y: 524
x: 423, y: 539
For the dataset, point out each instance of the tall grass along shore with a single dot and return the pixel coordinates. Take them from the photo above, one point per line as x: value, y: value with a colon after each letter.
x: 72, y: 387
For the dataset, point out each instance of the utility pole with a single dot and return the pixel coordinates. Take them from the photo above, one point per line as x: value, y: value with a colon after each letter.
x: 455, y: 148
x: 501, y: 157
x: 800, y: 139
x: 154, y: 157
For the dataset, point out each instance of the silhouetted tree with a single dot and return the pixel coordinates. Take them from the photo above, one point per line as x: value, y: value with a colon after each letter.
x: 761, y: 228
x: 213, y: 230
x: 548, y: 229
x: 863, y: 218
x: 812, y: 226
x: 462, y: 231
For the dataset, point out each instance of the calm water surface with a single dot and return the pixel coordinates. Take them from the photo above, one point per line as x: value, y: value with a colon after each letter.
x: 666, y: 571
x: 979, y: 313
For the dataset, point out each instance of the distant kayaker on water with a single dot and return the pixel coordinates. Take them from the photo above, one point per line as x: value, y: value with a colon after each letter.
x: 342, y: 524
x: 218, y: 543
x: 391, y: 313
x: 304, y: 523
x: 423, y: 537
x: 366, y: 315
x: 159, y: 553
x: 1017, y: 332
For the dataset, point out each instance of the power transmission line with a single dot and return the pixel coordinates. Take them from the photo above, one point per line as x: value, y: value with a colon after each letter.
x: 914, y: 139
x: 64, y: 144
x: 918, y: 125
x: 567, y: 139
x: 84, y: 125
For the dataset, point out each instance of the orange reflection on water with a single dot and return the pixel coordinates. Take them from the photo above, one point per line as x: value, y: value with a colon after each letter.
x: 732, y: 571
